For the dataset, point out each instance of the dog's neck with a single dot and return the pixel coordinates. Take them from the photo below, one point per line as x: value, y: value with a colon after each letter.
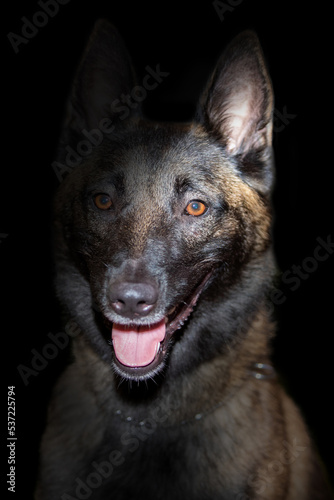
x: 260, y: 371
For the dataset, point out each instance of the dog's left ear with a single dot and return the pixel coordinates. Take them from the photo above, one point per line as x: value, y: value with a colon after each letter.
x: 237, y: 107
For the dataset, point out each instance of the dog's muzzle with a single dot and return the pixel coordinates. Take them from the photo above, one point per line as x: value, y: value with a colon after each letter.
x: 140, y: 348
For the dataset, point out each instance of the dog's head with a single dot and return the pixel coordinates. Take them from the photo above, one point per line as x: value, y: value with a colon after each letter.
x: 158, y: 224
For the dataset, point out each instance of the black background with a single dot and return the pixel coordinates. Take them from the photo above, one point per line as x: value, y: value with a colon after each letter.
x: 185, y: 38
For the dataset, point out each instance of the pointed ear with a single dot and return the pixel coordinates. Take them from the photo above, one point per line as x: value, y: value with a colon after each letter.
x: 104, y: 74
x: 237, y: 106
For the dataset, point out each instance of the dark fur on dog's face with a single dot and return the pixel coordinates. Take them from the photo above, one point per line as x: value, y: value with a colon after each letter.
x: 161, y: 221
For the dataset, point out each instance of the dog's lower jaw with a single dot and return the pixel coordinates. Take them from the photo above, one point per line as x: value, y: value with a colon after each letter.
x: 140, y: 374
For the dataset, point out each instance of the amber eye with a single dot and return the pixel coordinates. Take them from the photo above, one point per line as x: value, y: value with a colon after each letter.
x: 102, y: 201
x: 196, y: 208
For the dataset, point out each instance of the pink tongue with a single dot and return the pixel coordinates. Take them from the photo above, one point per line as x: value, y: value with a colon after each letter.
x: 137, y: 346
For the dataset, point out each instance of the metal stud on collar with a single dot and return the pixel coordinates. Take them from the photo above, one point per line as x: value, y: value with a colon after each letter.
x: 263, y: 371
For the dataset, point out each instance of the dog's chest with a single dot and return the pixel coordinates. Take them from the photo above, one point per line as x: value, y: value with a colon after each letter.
x: 153, y: 462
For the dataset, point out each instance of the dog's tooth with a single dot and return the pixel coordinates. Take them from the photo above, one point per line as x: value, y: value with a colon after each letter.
x: 171, y: 311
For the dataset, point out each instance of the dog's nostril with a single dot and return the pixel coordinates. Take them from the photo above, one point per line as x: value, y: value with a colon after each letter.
x: 133, y: 299
x: 118, y: 305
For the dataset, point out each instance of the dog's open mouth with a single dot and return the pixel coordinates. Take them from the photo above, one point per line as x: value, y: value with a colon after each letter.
x: 138, y: 346
x: 141, y: 349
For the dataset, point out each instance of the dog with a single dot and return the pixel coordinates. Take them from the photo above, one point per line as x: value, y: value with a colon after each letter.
x: 164, y: 264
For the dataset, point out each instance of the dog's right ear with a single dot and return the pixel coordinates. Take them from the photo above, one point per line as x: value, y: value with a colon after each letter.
x: 237, y: 109
x: 104, y: 74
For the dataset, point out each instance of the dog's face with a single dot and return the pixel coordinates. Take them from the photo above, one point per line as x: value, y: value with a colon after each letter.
x: 161, y: 220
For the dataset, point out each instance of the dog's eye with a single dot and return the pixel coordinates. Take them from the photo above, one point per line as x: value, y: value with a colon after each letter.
x: 196, y: 208
x: 102, y: 201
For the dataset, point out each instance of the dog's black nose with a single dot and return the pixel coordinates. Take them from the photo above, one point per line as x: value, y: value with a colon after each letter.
x: 133, y: 300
